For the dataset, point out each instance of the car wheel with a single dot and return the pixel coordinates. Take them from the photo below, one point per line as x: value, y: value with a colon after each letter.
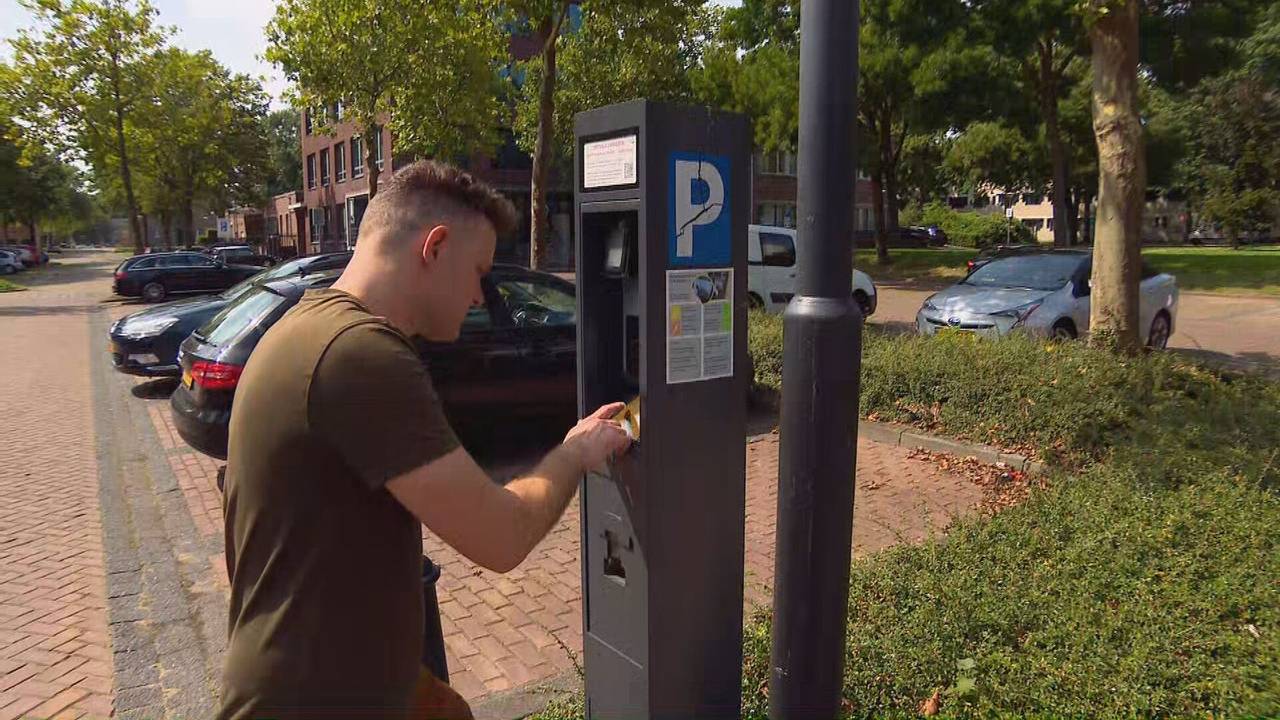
x: 754, y: 302
x: 153, y: 292
x: 1063, y: 330
x: 864, y: 303
x: 1158, y: 338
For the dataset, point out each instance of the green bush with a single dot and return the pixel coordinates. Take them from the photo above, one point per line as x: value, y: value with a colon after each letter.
x: 1064, y: 402
x: 974, y: 229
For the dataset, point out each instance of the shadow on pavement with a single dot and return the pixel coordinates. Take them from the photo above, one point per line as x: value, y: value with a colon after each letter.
x: 1254, y: 362
x: 45, y: 311
x: 157, y: 389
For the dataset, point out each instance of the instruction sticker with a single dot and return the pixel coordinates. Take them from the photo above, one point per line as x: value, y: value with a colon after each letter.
x: 699, y: 325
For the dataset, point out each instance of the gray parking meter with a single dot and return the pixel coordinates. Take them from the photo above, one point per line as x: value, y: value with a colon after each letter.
x: 662, y: 200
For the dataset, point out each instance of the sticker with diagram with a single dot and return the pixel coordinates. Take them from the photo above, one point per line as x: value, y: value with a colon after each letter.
x: 699, y: 325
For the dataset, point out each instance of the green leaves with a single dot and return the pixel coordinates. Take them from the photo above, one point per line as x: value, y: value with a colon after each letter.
x: 428, y: 69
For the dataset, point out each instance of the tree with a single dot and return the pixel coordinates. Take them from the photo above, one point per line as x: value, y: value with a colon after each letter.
x: 992, y: 154
x: 618, y: 51
x: 284, y: 167
x: 428, y: 67
x: 1233, y: 163
x: 1042, y: 37
x: 1117, y: 251
x: 206, y: 141
x: 85, y: 72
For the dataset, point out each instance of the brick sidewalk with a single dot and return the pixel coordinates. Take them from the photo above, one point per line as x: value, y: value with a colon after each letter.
x: 55, y: 651
x: 504, y: 631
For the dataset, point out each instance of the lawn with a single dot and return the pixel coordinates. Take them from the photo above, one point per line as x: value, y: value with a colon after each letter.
x: 9, y: 286
x: 1221, y: 270
x: 912, y: 264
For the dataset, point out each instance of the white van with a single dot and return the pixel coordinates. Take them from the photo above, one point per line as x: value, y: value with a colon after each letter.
x: 771, y: 271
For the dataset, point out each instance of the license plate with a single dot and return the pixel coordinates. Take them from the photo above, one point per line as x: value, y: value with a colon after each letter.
x: 186, y: 378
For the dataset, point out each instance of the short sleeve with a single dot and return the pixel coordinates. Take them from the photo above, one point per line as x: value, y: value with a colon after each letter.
x: 371, y: 398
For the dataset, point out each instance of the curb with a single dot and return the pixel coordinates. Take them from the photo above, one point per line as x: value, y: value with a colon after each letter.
x: 523, y: 701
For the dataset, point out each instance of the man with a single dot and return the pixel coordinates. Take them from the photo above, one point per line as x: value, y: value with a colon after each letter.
x: 338, y: 449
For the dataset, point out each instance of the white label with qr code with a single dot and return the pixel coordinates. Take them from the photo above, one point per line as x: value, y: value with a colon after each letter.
x: 610, y: 162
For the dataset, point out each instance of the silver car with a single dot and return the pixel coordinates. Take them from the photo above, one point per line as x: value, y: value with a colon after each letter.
x: 1046, y: 294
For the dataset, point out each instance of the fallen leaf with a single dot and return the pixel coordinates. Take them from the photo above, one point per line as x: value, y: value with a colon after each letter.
x: 1253, y: 630
x: 930, y: 707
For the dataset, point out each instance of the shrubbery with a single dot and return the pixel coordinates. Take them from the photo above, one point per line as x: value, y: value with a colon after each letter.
x: 975, y: 229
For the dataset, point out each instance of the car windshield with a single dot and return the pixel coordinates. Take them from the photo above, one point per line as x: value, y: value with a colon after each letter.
x: 1036, y: 272
x: 293, y: 267
x: 240, y: 317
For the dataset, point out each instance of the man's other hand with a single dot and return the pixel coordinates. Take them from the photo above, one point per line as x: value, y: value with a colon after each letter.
x: 597, y: 437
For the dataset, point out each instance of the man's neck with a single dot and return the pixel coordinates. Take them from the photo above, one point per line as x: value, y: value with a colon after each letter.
x: 377, y: 291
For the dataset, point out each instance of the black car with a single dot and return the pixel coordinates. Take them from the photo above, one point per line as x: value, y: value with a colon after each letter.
x: 1000, y: 251
x: 515, y: 357
x: 146, y: 342
x: 242, y: 255
x: 155, y: 276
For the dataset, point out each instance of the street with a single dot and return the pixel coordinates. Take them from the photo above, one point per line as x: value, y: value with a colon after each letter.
x: 112, y: 579
x: 1234, y: 331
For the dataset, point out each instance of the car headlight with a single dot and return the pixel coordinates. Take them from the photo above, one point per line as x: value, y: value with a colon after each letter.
x: 147, y: 327
x: 1020, y: 313
x: 928, y: 305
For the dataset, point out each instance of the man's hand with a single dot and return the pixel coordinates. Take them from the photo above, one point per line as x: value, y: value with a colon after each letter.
x: 597, y: 438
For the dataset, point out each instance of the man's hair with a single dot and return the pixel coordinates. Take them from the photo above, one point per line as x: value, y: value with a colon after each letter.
x: 429, y: 191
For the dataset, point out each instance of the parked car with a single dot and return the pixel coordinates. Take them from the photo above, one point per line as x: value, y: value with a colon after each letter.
x: 1045, y: 293
x: 9, y: 263
x: 994, y: 252
x: 146, y: 342
x: 155, y: 276
x: 28, y: 254
x: 242, y: 255
x: 771, y: 271
x: 515, y: 357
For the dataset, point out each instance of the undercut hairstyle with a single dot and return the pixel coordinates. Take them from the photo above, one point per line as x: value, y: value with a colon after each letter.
x: 428, y: 192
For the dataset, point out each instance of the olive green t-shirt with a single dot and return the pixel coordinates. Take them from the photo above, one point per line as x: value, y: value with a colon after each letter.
x: 325, y: 564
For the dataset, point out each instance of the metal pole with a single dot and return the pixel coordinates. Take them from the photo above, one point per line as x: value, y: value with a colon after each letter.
x: 821, y: 361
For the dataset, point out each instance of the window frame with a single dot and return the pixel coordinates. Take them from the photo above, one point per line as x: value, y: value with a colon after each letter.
x: 340, y: 162
x: 324, y: 168
x: 357, y: 156
x: 311, y: 171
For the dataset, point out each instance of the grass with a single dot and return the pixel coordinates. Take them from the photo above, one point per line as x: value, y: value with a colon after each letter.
x: 1221, y: 270
x: 10, y: 286
x: 914, y: 264
x: 1144, y: 582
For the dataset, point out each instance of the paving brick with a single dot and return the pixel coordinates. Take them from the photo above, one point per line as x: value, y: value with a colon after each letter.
x: 50, y: 524
x: 58, y: 702
x: 18, y: 707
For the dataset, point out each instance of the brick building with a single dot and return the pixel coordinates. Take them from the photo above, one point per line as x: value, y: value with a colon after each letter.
x: 282, y: 219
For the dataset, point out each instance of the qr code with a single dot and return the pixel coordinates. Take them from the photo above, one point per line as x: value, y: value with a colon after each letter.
x: 628, y: 169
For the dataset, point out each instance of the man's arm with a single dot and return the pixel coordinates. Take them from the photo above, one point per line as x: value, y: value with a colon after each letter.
x: 494, y: 526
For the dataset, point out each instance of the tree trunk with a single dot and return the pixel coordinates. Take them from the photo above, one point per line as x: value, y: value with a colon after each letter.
x: 126, y: 178
x: 146, y: 231
x: 1113, y: 317
x: 370, y: 162
x: 166, y: 224
x: 539, y: 224
x: 877, y: 211
x: 1073, y: 216
x: 1057, y: 149
x: 189, y: 219
x: 35, y: 238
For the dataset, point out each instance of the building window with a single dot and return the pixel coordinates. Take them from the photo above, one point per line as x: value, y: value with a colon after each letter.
x: 377, y: 147
x: 324, y: 166
x: 776, y: 162
x: 340, y: 162
x: 311, y: 171
x: 865, y: 221
x: 337, y: 112
x: 780, y: 214
x: 306, y: 122
x: 357, y: 157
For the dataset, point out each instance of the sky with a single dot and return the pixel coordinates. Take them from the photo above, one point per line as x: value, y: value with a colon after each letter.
x: 231, y: 29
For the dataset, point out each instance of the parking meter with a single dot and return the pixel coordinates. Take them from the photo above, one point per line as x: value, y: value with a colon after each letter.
x: 662, y: 195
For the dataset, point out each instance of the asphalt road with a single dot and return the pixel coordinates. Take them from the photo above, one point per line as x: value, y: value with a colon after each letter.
x: 1241, y: 332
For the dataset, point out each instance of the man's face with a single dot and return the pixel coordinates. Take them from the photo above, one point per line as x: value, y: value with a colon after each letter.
x: 456, y: 255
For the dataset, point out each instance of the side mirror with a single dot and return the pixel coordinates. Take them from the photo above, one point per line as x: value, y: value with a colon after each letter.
x: 1082, y: 288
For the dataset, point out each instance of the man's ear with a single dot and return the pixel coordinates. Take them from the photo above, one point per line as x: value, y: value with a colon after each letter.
x: 437, y: 236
